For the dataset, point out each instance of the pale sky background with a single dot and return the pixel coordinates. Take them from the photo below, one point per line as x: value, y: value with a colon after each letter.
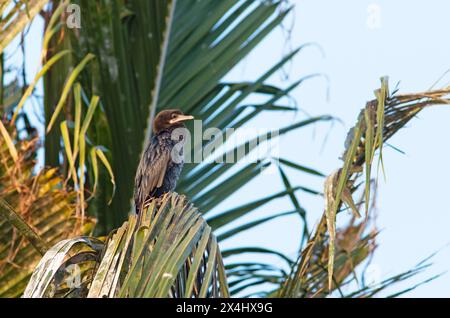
x: 409, y: 45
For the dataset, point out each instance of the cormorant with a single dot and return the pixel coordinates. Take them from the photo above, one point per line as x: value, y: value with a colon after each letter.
x: 160, y: 166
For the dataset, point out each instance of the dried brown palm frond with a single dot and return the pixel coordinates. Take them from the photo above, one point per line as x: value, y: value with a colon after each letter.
x: 352, y: 247
x: 40, y: 202
x: 377, y: 122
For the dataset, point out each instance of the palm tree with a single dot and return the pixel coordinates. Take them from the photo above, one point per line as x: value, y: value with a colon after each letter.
x: 103, y: 84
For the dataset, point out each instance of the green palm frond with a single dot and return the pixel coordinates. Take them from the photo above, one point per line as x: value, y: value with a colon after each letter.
x: 129, y: 65
x: 167, y: 251
x: 128, y: 59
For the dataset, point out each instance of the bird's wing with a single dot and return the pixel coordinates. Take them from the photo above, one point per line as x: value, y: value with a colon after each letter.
x: 151, y: 172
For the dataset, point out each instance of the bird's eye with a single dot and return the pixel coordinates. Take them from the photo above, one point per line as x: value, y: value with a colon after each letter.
x: 173, y: 115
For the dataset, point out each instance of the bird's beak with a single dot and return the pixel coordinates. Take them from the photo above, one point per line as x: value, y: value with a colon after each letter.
x: 181, y: 118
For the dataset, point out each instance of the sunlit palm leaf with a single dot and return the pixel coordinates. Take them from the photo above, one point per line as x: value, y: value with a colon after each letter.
x: 167, y: 251
x: 16, y: 15
x: 39, y: 199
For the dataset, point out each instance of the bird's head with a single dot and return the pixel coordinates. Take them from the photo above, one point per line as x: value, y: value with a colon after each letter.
x: 169, y: 118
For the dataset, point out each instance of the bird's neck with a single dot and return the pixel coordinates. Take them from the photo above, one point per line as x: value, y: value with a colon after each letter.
x: 168, y: 134
x: 169, y: 130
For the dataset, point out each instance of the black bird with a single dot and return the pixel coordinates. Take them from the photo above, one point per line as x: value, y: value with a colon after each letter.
x: 162, y: 162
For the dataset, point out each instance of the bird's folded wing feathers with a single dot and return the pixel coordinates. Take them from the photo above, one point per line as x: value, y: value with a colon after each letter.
x: 151, y: 172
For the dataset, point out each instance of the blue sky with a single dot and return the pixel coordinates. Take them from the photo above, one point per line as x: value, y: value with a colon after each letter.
x: 408, y: 43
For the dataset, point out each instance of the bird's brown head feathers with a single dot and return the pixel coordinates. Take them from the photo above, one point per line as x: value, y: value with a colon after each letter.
x: 169, y: 118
